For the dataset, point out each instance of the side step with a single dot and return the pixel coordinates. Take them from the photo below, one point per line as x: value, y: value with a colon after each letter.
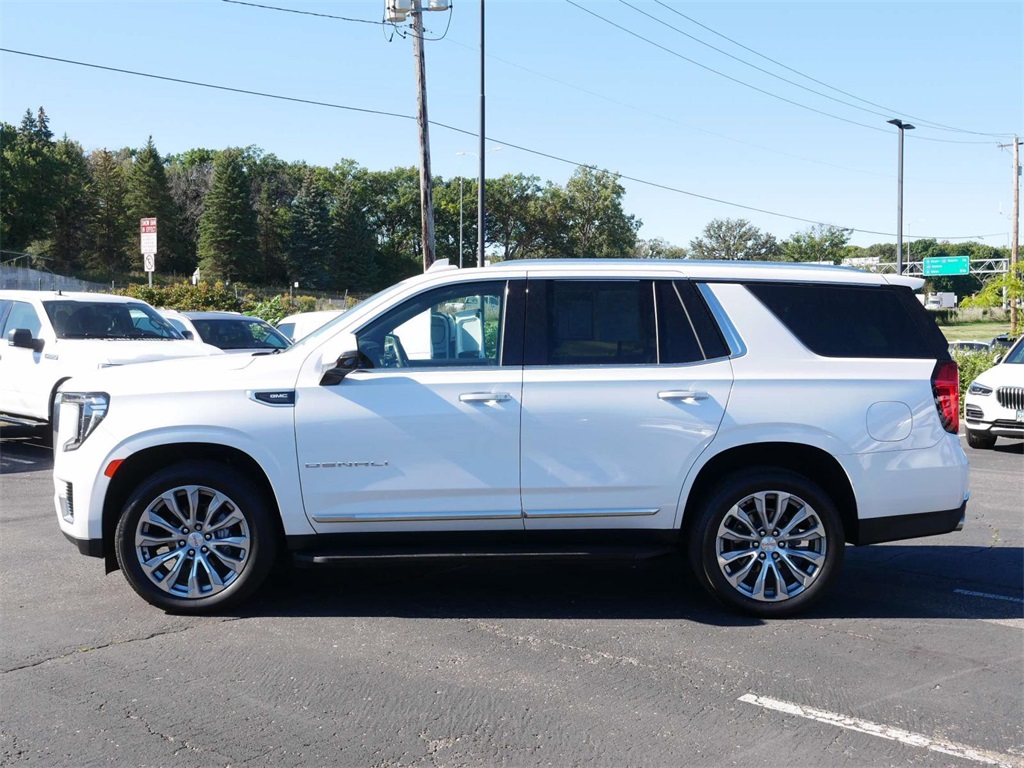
x: 20, y: 422
x: 372, y: 555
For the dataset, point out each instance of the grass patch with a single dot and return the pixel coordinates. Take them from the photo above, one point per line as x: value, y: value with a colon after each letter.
x: 974, y: 331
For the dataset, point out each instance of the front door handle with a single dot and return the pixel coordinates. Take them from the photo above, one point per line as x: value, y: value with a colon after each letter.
x: 485, y: 397
x: 685, y: 395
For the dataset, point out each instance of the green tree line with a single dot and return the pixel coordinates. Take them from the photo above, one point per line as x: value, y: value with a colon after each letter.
x: 245, y: 215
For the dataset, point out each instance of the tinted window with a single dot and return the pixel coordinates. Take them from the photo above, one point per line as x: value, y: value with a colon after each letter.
x: 854, y: 321
x: 22, y: 315
x: 583, y: 322
x: 442, y: 327
x: 676, y: 338
x: 107, y: 320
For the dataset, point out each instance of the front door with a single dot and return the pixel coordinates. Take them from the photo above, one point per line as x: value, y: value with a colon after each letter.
x: 428, y: 437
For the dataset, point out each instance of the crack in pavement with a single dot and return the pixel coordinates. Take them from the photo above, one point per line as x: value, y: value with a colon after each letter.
x: 114, y: 643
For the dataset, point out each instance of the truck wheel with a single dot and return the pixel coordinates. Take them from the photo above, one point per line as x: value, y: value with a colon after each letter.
x: 980, y: 440
x: 195, y: 538
x: 768, y: 542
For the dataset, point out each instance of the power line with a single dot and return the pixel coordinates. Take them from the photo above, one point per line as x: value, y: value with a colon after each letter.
x: 306, y: 13
x: 465, y: 132
x: 821, y: 82
x: 754, y: 87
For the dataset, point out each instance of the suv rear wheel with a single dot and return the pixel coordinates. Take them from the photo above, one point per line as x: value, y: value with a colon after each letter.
x: 195, y: 538
x: 768, y: 542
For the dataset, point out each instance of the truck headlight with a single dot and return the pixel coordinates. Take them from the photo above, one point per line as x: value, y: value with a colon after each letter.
x: 92, y: 408
x: 978, y: 389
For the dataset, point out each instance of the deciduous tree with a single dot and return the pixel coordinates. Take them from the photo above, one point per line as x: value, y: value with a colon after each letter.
x: 734, y: 239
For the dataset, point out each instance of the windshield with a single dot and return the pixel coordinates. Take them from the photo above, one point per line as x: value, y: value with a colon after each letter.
x: 1016, y: 355
x: 239, y: 333
x: 107, y: 320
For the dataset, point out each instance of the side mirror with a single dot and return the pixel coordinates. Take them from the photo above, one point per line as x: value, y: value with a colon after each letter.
x: 349, y: 361
x: 998, y: 359
x: 22, y: 337
x: 188, y: 335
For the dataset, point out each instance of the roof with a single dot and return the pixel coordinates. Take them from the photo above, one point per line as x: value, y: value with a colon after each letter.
x: 67, y: 296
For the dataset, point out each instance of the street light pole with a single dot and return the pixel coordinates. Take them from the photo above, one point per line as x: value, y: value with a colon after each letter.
x: 479, y: 222
x: 480, y: 193
x: 899, y: 204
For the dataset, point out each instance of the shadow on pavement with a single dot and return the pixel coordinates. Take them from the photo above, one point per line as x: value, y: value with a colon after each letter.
x: 25, y: 449
x: 876, y: 582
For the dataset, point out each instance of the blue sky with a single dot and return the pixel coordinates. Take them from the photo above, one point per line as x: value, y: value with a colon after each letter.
x: 565, y: 83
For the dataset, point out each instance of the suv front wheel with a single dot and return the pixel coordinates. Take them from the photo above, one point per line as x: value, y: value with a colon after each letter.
x: 768, y: 542
x: 196, y: 538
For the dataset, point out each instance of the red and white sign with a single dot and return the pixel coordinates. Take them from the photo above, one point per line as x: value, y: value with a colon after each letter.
x: 147, y: 234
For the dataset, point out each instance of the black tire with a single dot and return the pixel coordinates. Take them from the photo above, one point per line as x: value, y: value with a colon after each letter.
x: 220, y: 532
x: 770, y: 579
x: 980, y: 440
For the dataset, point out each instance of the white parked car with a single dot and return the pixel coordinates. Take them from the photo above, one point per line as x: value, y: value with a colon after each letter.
x: 230, y: 331
x: 304, y: 323
x: 50, y: 336
x: 994, y: 404
x: 758, y: 417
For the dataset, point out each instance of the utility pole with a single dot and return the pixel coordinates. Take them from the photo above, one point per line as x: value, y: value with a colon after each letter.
x: 899, y: 196
x: 1015, y: 226
x: 481, y: 196
x: 426, y: 179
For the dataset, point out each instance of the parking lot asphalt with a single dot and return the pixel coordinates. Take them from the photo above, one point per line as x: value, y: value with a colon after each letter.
x: 916, y: 658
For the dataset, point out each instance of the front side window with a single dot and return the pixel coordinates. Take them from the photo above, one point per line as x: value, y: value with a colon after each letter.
x: 456, y: 325
x: 22, y: 315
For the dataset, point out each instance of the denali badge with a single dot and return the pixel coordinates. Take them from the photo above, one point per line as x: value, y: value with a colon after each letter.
x: 333, y: 464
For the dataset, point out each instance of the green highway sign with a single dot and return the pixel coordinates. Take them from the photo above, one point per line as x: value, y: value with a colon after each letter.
x: 947, y: 265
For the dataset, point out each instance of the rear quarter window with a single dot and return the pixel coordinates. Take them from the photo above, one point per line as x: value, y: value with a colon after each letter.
x: 853, y: 320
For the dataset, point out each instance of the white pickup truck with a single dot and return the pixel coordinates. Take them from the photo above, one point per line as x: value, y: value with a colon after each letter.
x: 51, y: 336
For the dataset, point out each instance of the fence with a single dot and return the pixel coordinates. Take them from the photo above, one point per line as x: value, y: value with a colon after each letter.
x: 26, y: 279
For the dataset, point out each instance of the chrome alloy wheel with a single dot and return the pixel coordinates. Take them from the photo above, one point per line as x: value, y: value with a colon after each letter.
x: 771, y: 546
x: 192, y: 541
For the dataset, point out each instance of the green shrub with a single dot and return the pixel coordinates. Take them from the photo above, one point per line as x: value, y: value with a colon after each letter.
x: 972, y: 365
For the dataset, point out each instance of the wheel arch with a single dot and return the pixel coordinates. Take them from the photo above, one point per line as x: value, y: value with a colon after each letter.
x: 137, y: 467
x: 811, y: 462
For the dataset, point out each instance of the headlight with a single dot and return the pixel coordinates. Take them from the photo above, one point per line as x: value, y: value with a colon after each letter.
x: 92, y: 408
x: 978, y: 389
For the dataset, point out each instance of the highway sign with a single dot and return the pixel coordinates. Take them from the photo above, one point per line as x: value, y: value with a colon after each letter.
x: 947, y: 265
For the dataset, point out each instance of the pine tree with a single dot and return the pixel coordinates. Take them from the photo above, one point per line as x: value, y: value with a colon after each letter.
x: 311, y: 245
x: 227, y: 229
x: 149, y: 195
x: 110, y: 229
x: 73, y: 210
x: 27, y: 181
x: 355, y: 262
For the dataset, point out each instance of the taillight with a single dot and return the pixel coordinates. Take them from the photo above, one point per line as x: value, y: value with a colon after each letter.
x: 946, y: 389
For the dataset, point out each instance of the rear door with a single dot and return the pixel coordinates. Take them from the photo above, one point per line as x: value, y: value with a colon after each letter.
x: 622, y: 390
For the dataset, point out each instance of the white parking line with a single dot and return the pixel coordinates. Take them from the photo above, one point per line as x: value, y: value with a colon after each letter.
x: 17, y: 461
x: 942, y: 746
x: 969, y: 593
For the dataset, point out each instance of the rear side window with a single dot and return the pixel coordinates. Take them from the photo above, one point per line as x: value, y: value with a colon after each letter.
x: 854, y: 320
x: 591, y: 322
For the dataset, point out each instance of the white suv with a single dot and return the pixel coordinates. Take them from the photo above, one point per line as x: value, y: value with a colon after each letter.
x: 756, y: 416
x: 50, y: 336
x: 994, y: 404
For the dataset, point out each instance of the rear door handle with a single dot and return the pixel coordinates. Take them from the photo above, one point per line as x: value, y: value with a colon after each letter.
x: 485, y: 397
x: 682, y: 394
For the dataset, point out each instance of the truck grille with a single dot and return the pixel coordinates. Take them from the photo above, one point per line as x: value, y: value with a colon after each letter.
x: 1011, y: 397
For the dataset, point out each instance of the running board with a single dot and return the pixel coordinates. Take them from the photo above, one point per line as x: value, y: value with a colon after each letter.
x: 19, y: 422
x: 371, y: 555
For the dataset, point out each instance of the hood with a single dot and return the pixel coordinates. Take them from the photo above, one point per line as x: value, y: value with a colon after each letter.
x: 212, y: 372
x: 1003, y: 375
x: 107, y: 352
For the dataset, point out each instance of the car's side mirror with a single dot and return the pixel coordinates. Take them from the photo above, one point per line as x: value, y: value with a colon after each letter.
x: 998, y: 359
x: 188, y: 335
x: 347, y: 362
x: 22, y: 337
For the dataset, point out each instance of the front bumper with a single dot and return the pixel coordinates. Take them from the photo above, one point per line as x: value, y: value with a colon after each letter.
x: 87, y: 547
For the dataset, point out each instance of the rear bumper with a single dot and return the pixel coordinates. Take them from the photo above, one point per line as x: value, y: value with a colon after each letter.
x: 876, y: 530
